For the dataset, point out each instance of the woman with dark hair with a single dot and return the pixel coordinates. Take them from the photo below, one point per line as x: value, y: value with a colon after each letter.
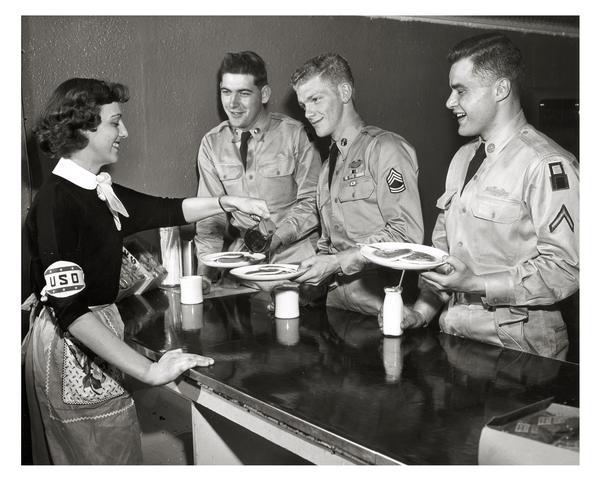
x: 75, y: 353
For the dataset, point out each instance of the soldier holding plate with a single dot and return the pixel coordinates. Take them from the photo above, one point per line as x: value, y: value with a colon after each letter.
x: 509, y: 216
x: 367, y: 191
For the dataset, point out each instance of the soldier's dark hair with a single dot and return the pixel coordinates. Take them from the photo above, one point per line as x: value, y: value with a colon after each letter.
x: 493, y: 55
x: 246, y: 62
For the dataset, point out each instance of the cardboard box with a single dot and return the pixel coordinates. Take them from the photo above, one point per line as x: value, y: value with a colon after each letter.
x: 140, y: 270
x: 498, y: 445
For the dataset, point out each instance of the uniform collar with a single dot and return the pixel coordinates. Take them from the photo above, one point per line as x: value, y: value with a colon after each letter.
x: 258, y: 129
x: 495, y: 144
x: 347, y: 138
x: 71, y: 171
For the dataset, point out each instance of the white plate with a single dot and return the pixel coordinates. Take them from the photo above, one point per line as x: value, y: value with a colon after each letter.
x: 231, y: 259
x: 268, y: 272
x: 402, y: 260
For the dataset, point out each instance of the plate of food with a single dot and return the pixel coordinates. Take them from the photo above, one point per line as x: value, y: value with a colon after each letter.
x: 231, y: 259
x: 403, y: 256
x: 268, y: 272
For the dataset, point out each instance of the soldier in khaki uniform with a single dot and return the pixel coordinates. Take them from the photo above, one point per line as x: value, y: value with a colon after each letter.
x: 367, y: 191
x: 264, y: 155
x: 509, y: 216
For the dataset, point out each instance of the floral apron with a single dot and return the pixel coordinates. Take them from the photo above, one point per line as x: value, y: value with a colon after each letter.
x: 80, y: 412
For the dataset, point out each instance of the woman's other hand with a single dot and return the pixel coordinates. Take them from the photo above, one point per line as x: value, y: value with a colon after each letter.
x: 172, y: 364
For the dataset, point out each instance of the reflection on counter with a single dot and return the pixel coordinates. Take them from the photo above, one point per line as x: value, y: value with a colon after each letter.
x: 392, y: 358
x: 192, y: 316
x: 288, y: 330
x: 421, y: 398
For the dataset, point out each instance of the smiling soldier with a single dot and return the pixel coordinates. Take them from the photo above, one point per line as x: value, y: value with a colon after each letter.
x: 265, y: 155
x: 367, y: 190
x: 510, y: 214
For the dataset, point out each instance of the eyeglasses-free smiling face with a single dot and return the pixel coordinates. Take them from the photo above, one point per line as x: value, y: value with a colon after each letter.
x: 472, y: 100
x: 104, y: 142
x: 322, y: 104
x: 242, y: 100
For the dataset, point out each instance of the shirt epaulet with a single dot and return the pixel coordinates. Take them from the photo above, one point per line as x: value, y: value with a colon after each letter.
x: 377, y: 132
x: 543, y: 146
x: 218, y: 129
x: 373, y: 131
x: 285, y: 119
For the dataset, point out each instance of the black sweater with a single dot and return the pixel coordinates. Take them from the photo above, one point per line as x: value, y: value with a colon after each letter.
x: 67, y: 222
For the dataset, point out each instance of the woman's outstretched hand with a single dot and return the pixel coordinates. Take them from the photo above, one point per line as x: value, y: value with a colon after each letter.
x: 173, y: 363
x: 249, y: 205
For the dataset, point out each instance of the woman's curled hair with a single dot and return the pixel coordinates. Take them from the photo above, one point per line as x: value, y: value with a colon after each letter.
x: 75, y: 107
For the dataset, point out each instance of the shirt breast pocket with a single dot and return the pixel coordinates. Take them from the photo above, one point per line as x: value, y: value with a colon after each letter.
x: 359, y: 207
x: 497, y: 210
x: 228, y: 172
x: 359, y: 189
x: 281, y: 166
x: 496, y: 227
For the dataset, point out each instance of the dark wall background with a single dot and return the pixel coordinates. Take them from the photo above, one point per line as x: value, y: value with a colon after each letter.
x: 170, y: 65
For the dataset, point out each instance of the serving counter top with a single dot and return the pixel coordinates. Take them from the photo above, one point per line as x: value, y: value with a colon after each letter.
x: 332, y: 378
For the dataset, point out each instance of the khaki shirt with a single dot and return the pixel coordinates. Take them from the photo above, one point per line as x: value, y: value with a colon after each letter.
x: 282, y: 168
x: 517, y: 225
x: 517, y: 221
x: 374, y: 195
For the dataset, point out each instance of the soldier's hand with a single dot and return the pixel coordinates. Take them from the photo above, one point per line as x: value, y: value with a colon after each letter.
x: 276, y: 244
x: 412, y: 318
x: 320, y: 267
x: 458, y: 278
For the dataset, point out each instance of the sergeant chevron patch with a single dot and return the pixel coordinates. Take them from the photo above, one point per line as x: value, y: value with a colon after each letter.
x: 563, y: 214
x: 395, y: 181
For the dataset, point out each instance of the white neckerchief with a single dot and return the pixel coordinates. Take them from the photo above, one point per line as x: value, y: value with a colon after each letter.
x: 74, y: 173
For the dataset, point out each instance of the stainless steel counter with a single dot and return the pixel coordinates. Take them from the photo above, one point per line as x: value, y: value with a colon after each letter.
x: 330, y: 382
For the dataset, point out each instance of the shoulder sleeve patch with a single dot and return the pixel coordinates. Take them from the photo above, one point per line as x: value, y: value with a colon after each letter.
x: 63, y: 279
x: 558, y: 177
x: 395, y: 181
x: 562, y: 215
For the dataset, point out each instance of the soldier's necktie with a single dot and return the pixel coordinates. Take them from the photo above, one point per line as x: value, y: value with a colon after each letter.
x: 333, y: 154
x: 476, y: 162
x: 244, y: 147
